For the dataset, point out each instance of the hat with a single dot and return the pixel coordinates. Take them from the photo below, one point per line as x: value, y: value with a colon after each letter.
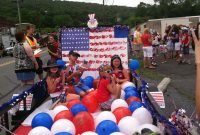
x: 74, y: 53
x: 51, y: 64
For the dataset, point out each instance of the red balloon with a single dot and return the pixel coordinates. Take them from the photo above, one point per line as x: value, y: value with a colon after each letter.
x: 66, y: 114
x: 90, y: 101
x: 132, y: 99
x: 121, y: 112
x: 72, y: 103
x: 83, y: 122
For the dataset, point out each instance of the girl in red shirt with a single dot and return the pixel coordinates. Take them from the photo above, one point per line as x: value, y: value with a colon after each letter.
x: 107, y: 90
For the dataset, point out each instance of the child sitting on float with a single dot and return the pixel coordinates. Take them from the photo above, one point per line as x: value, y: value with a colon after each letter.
x: 55, y: 82
x: 122, y: 75
x: 73, y: 73
x: 107, y: 90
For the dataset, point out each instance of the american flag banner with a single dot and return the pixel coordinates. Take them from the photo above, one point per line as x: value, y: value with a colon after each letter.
x: 95, y: 46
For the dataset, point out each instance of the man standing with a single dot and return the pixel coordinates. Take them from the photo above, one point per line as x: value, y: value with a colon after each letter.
x: 34, y: 45
x: 137, y: 42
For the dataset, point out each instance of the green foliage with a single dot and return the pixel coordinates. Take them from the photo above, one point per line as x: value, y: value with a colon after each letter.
x: 51, y: 14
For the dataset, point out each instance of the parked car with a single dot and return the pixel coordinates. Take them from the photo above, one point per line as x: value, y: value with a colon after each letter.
x: 9, y: 51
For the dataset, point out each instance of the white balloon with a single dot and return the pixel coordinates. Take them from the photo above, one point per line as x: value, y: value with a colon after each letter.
x: 40, y: 131
x: 63, y: 125
x: 105, y: 115
x: 128, y: 125
x: 122, y: 94
x: 127, y: 84
x: 117, y: 133
x: 89, y: 133
x: 143, y: 115
x: 118, y: 103
x: 51, y: 113
x: 149, y: 126
x: 59, y: 108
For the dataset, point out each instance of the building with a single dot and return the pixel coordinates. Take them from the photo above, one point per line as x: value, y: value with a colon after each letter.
x: 159, y: 25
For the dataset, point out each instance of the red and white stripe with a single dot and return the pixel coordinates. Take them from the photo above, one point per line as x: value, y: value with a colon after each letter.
x: 159, y: 98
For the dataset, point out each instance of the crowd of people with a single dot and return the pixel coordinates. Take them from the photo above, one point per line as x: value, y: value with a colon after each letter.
x: 175, y: 43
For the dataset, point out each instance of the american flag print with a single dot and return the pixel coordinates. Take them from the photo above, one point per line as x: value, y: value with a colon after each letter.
x: 95, y: 46
x: 159, y: 98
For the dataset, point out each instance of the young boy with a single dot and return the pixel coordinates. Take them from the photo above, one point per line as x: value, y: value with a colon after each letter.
x: 163, y: 50
x: 73, y: 74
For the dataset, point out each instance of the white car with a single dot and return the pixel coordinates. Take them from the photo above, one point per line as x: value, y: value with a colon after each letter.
x: 9, y: 51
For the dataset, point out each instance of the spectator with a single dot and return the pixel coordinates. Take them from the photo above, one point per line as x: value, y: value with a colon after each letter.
x: 186, y: 41
x: 163, y: 50
x: 1, y: 49
x: 196, y: 38
x: 25, y: 62
x: 53, y: 48
x: 147, y: 49
x: 137, y: 43
x: 12, y: 43
x: 107, y: 90
x: 34, y: 45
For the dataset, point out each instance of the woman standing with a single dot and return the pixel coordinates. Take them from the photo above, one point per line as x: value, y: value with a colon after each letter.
x: 25, y: 62
x: 147, y: 49
x: 53, y: 48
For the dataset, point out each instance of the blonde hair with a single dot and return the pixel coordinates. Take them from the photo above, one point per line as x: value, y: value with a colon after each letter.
x: 104, y: 68
x: 146, y: 31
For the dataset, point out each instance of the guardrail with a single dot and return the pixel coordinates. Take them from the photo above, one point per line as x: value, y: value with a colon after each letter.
x: 8, y: 122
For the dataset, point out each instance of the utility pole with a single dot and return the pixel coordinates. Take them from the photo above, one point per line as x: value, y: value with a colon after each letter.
x: 103, y: 2
x: 19, y: 13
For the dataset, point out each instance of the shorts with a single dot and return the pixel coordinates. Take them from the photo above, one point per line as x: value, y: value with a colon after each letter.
x: 177, y: 46
x: 80, y: 87
x: 25, y: 76
x: 137, y: 47
x: 148, y: 51
x: 155, y: 46
x: 107, y: 104
x: 170, y: 45
x: 40, y: 63
x: 186, y: 50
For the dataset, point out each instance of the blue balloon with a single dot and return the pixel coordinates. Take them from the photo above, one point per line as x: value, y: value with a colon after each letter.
x: 89, y: 78
x: 42, y: 119
x: 131, y: 93
x: 63, y: 133
x: 131, y: 88
x: 61, y: 63
x: 88, y: 81
x: 134, y: 64
x: 135, y: 105
x: 106, y: 127
x: 77, y: 108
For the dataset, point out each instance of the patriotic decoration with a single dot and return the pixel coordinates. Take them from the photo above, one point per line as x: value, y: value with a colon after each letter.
x: 159, y: 98
x: 92, y: 23
x: 96, y: 46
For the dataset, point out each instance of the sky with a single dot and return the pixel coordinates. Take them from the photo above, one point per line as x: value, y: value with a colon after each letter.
x: 128, y: 3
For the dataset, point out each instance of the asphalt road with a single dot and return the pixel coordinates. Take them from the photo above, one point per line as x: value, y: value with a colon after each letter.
x: 9, y: 84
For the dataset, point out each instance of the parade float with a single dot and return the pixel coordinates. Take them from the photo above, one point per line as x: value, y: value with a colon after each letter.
x: 136, y: 112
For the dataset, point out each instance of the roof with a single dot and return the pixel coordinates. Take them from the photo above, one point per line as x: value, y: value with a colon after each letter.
x: 173, y: 18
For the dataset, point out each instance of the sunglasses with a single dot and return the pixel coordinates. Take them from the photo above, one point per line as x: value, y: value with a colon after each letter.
x: 108, y: 71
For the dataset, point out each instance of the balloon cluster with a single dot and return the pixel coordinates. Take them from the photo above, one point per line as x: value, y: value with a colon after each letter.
x: 127, y: 116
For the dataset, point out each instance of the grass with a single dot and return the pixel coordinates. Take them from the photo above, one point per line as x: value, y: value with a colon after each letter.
x: 149, y: 73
